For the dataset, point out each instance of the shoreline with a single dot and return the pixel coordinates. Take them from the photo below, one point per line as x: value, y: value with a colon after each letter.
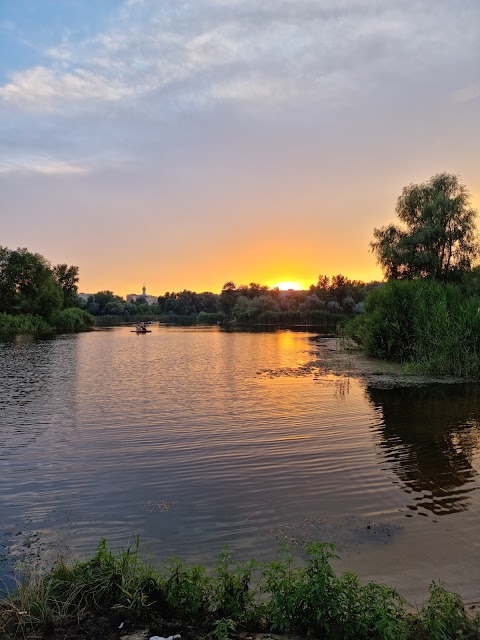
x: 336, y: 359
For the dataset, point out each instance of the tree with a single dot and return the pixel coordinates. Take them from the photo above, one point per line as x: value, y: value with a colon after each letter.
x: 437, y: 238
x: 67, y: 278
x: 228, y: 299
x: 27, y: 284
x: 106, y: 303
x: 253, y: 290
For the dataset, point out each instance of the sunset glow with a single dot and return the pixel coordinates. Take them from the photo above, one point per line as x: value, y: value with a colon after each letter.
x: 288, y: 284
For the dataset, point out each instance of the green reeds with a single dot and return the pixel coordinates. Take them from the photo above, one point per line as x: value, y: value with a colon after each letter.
x: 72, y: 319
x: 434, y: 327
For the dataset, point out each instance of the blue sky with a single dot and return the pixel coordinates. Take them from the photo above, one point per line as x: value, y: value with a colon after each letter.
x: 183, y: 144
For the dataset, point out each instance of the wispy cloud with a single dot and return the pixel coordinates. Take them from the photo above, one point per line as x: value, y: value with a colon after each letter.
x: 234, y: 50
x: 467, y: 94
x: 158, y: 69
x: 41, y: 88
x: 45, y: 166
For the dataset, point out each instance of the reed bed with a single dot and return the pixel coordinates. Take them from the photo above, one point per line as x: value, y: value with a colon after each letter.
x: 432, y: 327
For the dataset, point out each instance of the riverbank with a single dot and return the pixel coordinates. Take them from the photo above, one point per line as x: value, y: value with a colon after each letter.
x: 71, y: 319
x: 342, y: 358
x: 117, y: 596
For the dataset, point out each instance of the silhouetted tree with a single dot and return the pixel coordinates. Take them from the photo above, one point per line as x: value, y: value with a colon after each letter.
x: 437, y: 238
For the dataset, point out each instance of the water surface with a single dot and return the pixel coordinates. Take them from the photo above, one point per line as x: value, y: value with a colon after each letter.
x: 197, y: 438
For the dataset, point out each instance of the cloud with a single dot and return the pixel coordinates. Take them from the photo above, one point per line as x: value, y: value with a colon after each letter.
x: 60, y: 53
x: 43, y: 166
x: 158, y: 72
x: 229, y: 50
x: 41, y: 88
x: 467, y: 94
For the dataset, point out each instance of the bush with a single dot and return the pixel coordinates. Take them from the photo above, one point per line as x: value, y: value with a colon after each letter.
x: 73, y: 319
x: 206, y: 318
x: 433, y: 326
x: 22, y: 324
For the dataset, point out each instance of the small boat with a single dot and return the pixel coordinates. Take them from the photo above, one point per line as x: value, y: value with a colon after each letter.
x: 141, y: 328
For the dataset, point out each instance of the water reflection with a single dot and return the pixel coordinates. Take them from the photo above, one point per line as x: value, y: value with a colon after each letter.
x: 430, y: 437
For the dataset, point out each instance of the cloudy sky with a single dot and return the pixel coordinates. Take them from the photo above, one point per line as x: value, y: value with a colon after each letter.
x: 182, y: 144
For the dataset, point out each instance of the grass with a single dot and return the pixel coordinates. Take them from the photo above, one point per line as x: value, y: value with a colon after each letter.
x: 279, y: 596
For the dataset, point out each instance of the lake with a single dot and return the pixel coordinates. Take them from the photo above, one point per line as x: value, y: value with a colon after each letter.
x: 196, y: 438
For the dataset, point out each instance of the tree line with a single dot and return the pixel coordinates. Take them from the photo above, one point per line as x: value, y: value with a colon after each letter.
x: 30, y: 286
x: 247, y: 304
x: 426, y: 314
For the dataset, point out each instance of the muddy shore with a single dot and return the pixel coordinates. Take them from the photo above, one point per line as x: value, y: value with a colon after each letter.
x: 336, y: 357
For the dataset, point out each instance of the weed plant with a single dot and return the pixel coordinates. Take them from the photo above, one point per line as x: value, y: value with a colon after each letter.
x: 280, y: 596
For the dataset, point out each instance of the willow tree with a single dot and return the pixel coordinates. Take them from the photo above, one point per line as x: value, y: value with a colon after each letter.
x: 437, y: 237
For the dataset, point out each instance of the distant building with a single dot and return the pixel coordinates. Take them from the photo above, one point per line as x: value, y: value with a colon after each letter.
x: 85, y: 296
x: 133, y: 297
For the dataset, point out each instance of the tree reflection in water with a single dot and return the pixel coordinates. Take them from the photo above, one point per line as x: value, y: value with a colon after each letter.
x: 430, y: 437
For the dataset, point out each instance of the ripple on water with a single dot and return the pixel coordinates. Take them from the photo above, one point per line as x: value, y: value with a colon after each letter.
x: 200, y: 438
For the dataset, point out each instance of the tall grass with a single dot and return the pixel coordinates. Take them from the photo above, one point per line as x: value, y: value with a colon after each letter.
x: 434, y: 327
x: 22, y: 324
x: 279, y: 596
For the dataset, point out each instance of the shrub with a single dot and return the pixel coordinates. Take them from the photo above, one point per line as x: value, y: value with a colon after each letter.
x: 22, y: 324
x: 431, y: 325
x: 73, y: 319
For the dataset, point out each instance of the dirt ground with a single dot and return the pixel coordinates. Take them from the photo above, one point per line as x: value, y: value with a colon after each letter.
x: 108, y: 628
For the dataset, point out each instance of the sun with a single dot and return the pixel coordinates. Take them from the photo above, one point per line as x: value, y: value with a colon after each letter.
x: 288, y: 284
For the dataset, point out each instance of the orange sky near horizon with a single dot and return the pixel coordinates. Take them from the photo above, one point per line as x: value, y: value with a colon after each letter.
x: 264, y: 265
x: 338, y: 245
x: 212, y: 282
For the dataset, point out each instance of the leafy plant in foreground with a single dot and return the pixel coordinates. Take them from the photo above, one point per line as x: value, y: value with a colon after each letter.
x: 223, y: 629
x: 231, y: 593
x: 444, y: 617
x: 310, y: 599
x: 186, y: 590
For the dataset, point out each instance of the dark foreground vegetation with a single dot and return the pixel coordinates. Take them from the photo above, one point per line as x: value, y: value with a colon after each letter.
x: 36, y: 297
x: 428, y: 314
x: 281, y: 596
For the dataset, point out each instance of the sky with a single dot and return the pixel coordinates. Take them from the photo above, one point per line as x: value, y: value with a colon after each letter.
x: 179, y: 145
